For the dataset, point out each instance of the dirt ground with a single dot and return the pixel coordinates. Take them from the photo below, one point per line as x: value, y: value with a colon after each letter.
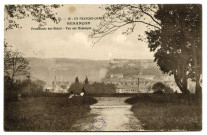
x: 109, y: 114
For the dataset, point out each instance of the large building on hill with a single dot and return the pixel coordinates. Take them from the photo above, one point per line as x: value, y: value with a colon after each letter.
x: 134, y: 76
x: 117, y: 63
x: 142, y: 63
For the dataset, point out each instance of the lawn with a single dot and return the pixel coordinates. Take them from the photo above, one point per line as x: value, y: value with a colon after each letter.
x: 45, y: 113
x: 167, y: 112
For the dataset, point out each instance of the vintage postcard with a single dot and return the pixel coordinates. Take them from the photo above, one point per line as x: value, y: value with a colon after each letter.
x: 107, y: 67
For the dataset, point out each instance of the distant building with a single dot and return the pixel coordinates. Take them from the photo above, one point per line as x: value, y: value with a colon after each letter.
x: 167, y: 78
x: 126, y: 89
x: 132, y: 64
x: 114, y: 63
x: 148, y: 64
x: 117, y: 75
x: 147, y: 77
x: 57, y: 87
x: 144, y: 64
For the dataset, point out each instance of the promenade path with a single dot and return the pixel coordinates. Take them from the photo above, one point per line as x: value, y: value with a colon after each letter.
x: 109, y: 114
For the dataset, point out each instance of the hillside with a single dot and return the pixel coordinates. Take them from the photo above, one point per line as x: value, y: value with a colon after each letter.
x: 67, y: 69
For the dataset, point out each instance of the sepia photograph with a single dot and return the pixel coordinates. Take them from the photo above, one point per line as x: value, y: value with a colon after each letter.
x: 102, y: 68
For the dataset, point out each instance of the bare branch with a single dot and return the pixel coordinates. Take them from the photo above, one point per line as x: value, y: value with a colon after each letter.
x: 149, y: 15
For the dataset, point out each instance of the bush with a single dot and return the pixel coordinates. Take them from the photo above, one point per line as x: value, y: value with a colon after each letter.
x: 25, y: 88
x: 95, y: 88
x: 76, y: 88
x: 10, y: 90
x: 160, y: 88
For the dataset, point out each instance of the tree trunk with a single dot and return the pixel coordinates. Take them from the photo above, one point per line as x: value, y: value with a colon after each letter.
x: 181, y: 77
x: 184, y: 76
x: 197, y: 72
x: 181, y: 86
x: 198, y: 88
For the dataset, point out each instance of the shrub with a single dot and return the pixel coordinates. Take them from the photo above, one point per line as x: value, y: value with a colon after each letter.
x: 95, y: 88
x: 26, y: 88
x: 10, y: 91
x: 160, y: 88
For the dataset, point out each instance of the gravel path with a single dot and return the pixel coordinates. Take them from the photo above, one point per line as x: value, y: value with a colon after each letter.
x: 109, y: 114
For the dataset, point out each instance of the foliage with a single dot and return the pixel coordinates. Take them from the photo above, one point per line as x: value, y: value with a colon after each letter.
x: 160, y: 87
x: 27, y: 88
x: 125, y: 15
x: 86, y: 80
x: 76, y: 88
x: 76, y: 80
x: 100, y: 88
x: 94, y: 88
x: 38, y: 12
x: 14, y: 63
x: 31, y: 88
x: 10, y: 92
x: 176, y: 44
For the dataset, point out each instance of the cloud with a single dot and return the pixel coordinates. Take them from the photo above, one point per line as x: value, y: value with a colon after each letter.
x: 120, y: 38
x: 109, y: 54
x: 80, y: 38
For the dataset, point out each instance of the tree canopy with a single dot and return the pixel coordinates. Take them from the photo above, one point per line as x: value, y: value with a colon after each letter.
x: 14, y: 63
x: 177, y: 45
x: 86, y: 80
x: 76, y: 80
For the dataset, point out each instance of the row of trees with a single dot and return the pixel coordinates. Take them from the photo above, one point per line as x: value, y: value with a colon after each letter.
x: 173, y: 33
x: 91, y: 88
x: 86, y: 81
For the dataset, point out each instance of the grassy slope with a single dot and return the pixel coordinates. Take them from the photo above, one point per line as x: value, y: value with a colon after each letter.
x: 45, y: 113
x: 167, y: 112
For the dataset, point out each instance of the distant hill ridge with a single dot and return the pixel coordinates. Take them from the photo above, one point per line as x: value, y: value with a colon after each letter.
x: 66, y: 69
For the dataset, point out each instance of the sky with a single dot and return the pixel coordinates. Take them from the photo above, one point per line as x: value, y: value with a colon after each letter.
x: 76, y: 43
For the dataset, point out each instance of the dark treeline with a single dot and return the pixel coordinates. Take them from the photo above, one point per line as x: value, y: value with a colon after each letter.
x: 94, y: 88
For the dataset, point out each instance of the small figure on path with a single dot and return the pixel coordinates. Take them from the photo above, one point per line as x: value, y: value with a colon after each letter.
x: 71, y: 94
x: 83, y: 92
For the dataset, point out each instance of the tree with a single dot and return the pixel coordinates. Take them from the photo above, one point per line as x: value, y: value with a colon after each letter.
x: 86, y: 80
x: 76, y: 80
x: 14, y: 63
x: 177, y: 43
x: 173, y: 33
